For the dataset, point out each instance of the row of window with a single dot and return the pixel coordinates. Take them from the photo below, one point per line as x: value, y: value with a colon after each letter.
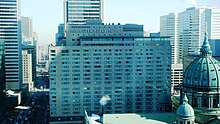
x: 106, y: 50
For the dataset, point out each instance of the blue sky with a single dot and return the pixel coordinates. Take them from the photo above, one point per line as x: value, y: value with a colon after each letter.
x: 47, y: 14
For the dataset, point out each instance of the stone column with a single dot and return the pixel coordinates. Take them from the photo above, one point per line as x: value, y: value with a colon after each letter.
x: 210, y: 101
x: 199, y: 102
x: 190, y: 98
x: 218, y: 101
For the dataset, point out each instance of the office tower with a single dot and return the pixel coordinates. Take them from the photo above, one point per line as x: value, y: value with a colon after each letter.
x: 27, y: 29
x: 168, y: 27
x: 78, y: 11
x: 192, y: 23
x: 189, y: 31
x: 2, y: 80
x: 186, y: 31
x: 60, y: 36
x: 10, y: 33
x: 113, y: 60
x: 211, y: 16
x: 31, y: 49
x: 35, y: 42
x: 27, y: 69
x: 210, y: 22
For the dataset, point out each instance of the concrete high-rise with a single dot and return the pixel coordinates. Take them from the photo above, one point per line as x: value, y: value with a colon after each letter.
x: 114, y: 60
x: 211, y: 17
x: 31, y: 49
x: 186, y: 30
x: 133, y: 72
x: 27, y: 69
x: 78, y: 11
x: 168, y: 27
x: 27, y: 29
x: 10, y: 33
x: 189, y: 31
x: 211, y: 22
x: 192, y: 23
x: 36, y: 43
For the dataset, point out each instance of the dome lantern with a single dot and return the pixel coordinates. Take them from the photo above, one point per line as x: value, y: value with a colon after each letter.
x: 185, y: 99
x: 205, y: 50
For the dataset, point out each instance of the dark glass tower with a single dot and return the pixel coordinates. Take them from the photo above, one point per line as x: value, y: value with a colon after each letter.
x: 10, y: 33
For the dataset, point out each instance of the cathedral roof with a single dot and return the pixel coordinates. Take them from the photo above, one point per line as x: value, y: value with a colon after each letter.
x: 203, y: 71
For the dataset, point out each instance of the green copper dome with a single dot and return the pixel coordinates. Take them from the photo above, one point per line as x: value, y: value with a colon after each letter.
x: 185, y: 110
x: 203, y: 71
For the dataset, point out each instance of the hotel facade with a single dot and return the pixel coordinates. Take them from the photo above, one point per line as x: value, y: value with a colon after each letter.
x: 113, y: 60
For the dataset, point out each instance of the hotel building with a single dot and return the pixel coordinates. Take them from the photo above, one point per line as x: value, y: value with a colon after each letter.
x: 113, y: 60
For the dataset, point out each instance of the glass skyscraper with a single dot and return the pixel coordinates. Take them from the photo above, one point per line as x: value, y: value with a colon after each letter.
x: 10, y: 33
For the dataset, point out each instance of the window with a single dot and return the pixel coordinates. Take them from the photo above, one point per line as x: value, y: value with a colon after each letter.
x: 52, y: 51
x: 65, y: 51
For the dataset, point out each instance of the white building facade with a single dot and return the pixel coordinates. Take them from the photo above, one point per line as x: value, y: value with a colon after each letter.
x: 168, y: 27
x: 176, y: 78
x: 211, y: 22
x: 10, y: 32
x: 27, y: 69
x: 192, y: 23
